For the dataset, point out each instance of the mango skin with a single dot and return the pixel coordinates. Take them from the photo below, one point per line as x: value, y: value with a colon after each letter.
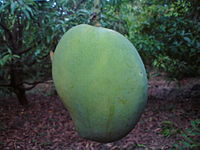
x: 101, y: 80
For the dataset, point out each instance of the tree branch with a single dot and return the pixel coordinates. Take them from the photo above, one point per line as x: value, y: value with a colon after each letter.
x: 32, y: 85
x: 28, y: 49
x: 29, y: 88
x: 24, y: 51
x: 10, y: 35
x: 44, y: 56
x: 6, y: 30
x: 19, y: 32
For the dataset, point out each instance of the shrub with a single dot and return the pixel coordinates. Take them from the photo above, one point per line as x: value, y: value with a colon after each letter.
x: 167, y: 36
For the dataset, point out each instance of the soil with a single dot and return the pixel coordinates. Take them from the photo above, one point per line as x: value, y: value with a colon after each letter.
x: 46, y: 125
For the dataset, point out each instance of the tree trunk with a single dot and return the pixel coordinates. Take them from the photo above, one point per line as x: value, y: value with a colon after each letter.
x: 16, y: 82
x: 21, y: 95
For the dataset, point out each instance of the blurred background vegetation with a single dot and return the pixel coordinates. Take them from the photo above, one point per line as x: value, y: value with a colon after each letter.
x: 165, y: 33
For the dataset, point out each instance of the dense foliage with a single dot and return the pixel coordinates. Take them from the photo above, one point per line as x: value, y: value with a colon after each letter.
x: 166, y: 33
x: 28, y: 31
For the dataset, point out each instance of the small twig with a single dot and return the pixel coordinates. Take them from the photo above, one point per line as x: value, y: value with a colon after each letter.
x: 24, y: 51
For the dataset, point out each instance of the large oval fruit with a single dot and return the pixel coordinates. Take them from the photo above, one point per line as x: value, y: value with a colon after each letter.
x: 102, y: 81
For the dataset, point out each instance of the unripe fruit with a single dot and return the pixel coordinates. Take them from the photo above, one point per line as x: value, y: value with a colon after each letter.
x: 102, y: 81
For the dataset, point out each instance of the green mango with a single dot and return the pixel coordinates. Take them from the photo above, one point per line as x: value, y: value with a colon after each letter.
x: 101, y: 80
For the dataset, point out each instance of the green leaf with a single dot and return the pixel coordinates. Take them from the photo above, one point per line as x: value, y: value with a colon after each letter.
x: 83, y: 12
x: 13, y: 7
x: 26, y: 13
x: 141, y: 145
x: 187, y: 39
x: 187, y: 144
x: 16, y: 56
x: 29, y: 10
x: 2, y: 8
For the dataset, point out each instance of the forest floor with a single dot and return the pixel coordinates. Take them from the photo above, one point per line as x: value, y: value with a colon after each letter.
x: 46, y: 124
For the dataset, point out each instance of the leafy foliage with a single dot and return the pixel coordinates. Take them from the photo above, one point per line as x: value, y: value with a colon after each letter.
x: 169, y: 129
x: 29, y: 30
x: 190, y: 137
x: 166, y: 33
